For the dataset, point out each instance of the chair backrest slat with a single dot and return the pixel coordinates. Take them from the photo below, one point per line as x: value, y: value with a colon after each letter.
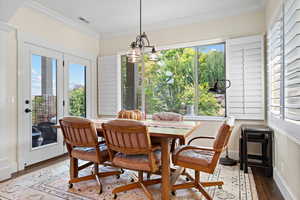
x: 131, y: 114
x: 79, y: 132
x: 127, y: 136
x: 167, y: 116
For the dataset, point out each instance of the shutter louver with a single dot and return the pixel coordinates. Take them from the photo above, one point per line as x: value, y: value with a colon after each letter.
x: 244, y: 68
x: 292, y: 60
x: 108, y: 86
x: 275, y: 64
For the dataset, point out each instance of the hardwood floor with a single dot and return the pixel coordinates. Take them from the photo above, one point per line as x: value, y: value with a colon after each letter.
x: 266, y: 187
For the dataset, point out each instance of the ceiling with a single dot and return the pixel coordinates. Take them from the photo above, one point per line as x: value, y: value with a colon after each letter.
x: 110, y: 17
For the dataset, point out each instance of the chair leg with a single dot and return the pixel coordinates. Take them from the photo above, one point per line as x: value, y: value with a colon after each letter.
x: 73, y: 168
x: 99, y: 183
x: 84, y: 178
x: 173, y: 145
x: 141, y: 180
x: 202, y: 190
x: 140, y: 183
x: 146, y: 191
x: 210, y: 184
x: 196, y: 184
x: 96, y: 172
x: 200, y: 187
x: 188, y: 176
x: 96, y: 168
x: 135, y: 185
x: 197, y: 177
x: 148, y: 176
x: 183, y: 186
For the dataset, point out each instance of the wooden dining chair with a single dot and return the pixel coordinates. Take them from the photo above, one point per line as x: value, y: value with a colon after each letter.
x: 170, y: 116
x: 129, y: 147
x: 167, y: 116
x: 202, y: 159
x: 131, y: 114
x: 81, y: 139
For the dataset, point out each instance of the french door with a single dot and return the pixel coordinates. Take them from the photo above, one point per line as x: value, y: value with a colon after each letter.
x: 54, y: 85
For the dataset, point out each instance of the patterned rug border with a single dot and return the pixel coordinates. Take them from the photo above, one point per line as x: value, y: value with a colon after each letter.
x: 51, y: 183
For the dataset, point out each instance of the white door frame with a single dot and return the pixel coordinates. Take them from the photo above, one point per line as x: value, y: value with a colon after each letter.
x: 24, y: 39
x: 48, y: 151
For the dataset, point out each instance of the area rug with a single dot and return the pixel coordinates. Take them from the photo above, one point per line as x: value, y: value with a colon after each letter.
x: 51, y: 183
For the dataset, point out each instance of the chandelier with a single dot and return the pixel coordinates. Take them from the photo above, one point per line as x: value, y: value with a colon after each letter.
x: 137, y: 47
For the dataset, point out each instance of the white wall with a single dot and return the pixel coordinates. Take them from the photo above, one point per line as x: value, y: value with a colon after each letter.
x: 5, y: 165
x: 228, y: 27
x: 286, y: 147
x: 7, y: 10
x: 37, y: 25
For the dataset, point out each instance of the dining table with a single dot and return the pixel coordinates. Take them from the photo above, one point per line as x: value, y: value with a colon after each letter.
x: 162, y: 132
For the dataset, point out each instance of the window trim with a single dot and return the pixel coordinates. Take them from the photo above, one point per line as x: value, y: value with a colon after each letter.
x: 197, y: 118
x: 194, y: 44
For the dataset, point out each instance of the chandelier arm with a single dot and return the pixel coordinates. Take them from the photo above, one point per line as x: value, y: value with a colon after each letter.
x: 146, y: 38
x: 137, y: 40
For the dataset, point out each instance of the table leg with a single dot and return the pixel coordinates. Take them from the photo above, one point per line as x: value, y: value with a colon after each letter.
x: 245, y: 151
x: 165, y: 159
x: 241, y: 154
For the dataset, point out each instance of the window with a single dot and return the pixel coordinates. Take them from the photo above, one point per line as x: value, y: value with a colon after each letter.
x: 179, y: 82
x: 291, y: 88
x: 77, y: 90
x: 284, y: 61
x: 44, y: 100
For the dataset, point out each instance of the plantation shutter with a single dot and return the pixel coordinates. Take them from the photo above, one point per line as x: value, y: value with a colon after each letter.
x: 109, y: 92
x: 244, y: 68
x: 275, y: 64
x: 292, y: 60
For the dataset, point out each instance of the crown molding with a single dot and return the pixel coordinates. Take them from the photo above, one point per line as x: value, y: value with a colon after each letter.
x: 6, y: 27
x: 183, y: 21
x: 57, y: 16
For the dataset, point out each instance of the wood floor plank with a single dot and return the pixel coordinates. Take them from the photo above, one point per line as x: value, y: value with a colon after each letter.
x: 266, y: 186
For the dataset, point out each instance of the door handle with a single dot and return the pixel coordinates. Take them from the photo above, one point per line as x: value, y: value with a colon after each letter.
x: 28, y: 110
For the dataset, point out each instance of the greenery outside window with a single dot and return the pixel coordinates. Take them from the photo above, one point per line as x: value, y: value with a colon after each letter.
x: 179, y: 82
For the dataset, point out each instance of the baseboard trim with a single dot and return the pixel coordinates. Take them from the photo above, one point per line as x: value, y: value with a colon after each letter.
x: 5, y: 169
x: 283, y: 187
x: 14, y: 167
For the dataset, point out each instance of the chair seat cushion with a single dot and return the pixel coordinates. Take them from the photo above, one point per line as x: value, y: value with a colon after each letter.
x: 201, y: 158
x: 136, y: 162
x: 89, y: 153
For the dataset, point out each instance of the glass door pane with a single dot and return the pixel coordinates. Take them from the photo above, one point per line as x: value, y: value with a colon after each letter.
x: 77, y: 90
x: 44, y: 100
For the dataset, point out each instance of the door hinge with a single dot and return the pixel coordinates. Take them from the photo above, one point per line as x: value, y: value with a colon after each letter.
x: 64, y: 103
x: 63, y: 63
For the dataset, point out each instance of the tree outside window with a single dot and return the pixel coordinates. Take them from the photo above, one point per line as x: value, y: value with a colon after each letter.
x: 179, y: 82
